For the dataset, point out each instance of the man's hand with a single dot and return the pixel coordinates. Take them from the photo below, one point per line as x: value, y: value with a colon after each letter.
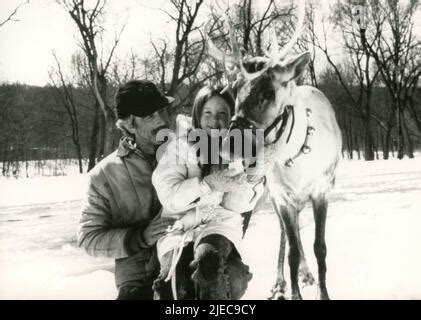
x: 156, y: 229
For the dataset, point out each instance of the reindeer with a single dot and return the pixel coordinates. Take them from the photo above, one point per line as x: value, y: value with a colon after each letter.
x: 302, y: 144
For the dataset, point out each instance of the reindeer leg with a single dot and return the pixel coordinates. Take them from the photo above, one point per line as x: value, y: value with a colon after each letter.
x: 279, y: 289
x: 304, y: 271
x: 320, y: 212
x: 290, y: 219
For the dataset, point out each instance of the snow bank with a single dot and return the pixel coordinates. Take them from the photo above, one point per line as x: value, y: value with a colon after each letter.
x: 56, y: 275
x: 31, y: 191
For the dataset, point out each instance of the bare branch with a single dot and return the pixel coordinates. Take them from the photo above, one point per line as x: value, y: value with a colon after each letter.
x: 116, y: 41
x: 13, y: 14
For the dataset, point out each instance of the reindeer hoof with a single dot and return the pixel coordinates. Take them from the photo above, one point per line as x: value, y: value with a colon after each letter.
x: 278, y: 292
x: 322, y: 295
x: 296, y: 297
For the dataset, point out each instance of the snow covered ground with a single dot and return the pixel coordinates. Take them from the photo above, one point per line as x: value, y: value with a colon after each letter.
x: 373, y: 238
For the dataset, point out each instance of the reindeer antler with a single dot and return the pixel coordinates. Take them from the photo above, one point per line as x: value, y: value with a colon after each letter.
x: 298, y: 31
x: 235, y: 57
x: 275, y: 54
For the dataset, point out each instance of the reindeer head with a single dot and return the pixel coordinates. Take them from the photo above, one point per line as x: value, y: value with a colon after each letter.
x: 264, y: 86
x: 264, y: 90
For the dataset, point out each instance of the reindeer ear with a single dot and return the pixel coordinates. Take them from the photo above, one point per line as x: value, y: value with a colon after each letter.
x: 297, y: 65
x: 290, y: 70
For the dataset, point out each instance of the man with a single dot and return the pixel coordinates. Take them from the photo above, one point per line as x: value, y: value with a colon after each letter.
x: 120, y: 217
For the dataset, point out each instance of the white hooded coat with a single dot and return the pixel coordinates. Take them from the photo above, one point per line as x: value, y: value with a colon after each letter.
x: 179, y: 185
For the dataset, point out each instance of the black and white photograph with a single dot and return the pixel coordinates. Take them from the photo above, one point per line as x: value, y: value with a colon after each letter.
x: 210, y: 150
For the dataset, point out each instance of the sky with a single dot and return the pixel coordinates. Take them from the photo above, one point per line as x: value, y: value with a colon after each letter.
x: 26, y: 46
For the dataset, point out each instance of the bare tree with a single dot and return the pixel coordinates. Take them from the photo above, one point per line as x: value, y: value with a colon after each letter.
x: 358, y: 74
x: 364, y: 70
x: 177, y: 63
x: 189, y: 49
x: 88, y: 22
x: 12, y: 15
x: 81, y: 70
x: 411, y: 93
x: 64, y: 93
x: 390, y: 39
x: 307, y: 41
x: 163, y: 58
x: 251, y: 28
x: 124, y: 70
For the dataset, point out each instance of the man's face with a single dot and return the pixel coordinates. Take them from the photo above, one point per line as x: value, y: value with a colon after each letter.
x: 147, y: 127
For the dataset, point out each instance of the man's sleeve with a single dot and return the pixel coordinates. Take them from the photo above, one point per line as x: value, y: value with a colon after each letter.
x: 95, y: 233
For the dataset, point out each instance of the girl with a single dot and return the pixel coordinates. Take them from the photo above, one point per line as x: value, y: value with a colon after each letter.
x: 194, y: 191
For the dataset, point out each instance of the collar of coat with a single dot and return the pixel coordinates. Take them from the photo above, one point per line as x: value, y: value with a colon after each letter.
x: 128, y: 146
x: 125, y: 147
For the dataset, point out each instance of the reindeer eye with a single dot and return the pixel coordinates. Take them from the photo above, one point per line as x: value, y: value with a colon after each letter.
x: 284, y: 84
x: 231, y: 66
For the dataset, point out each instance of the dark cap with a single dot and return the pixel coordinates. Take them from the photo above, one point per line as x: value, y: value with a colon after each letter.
x: 139, y: 98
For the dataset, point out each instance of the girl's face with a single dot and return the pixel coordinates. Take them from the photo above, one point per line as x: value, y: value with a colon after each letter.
x: 215, y: 115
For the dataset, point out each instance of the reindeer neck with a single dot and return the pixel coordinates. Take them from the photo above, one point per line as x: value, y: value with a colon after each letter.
x: 294, y: 138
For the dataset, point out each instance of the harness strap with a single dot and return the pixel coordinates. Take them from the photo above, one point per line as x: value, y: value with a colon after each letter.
x: 305, y: 149
x: 177, y: 252
x: 283, y: 119
x: 292, y: 124
x: 274, y: 124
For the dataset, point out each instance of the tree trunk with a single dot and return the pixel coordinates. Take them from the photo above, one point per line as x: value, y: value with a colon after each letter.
x: 94, y: 138
x: 4, y: 161
x: 409, y: 147
x: 350, y: 142
x: 79, y: 157
x: 178, y: 56
x: 411, y: 103
x: 246, y: 24
x: 401, y: 144
x: 101, y: 133
x: 110, y: 133
x: 393, y: 148
x: 345, y: 146
x: 386, y: 149
x: 76, y: 140
x: 387, y: 143
x: 357, y: 146
x: 259, y: 50
x: 382, y: 139
x: 26, y: 165
x: 368, y: 140
x: 348, y: 138
x: 9, y: 157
